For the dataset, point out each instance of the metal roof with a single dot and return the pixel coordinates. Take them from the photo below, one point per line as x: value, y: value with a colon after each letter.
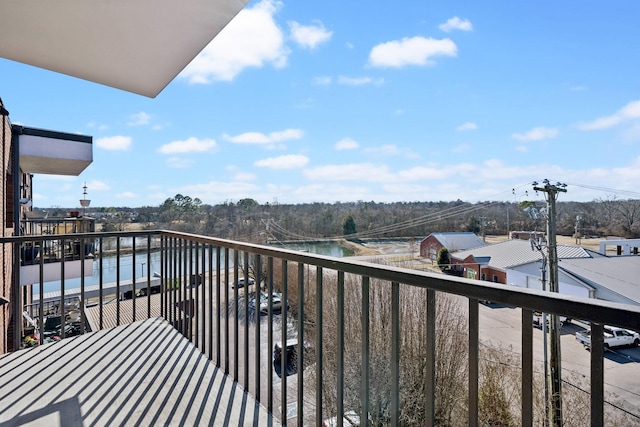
x: 618, y: 274
x: 138, y: 46
x: 516, y: 252
x: 458, y: 241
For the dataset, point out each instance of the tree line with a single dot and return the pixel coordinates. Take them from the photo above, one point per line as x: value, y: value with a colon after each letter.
x: 248, y: 220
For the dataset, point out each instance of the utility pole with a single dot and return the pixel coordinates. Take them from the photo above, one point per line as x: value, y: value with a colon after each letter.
x: 540, y: 245
x: 555, y: 360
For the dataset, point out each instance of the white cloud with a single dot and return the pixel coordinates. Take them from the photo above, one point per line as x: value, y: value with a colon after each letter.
x: 346, y: 144
x: 411, y: 51
x: 456, y: 23
x: 115, y: 143
x: 261, y: 138
x: 139, y: 119
x: 536, y: 134
x: 359, y: 81
x: 190, y: 145
x: 467, y: 126
x: 630, y: 111
x: 251, y: 39
x: 289, y: 161
x: 309, y: 36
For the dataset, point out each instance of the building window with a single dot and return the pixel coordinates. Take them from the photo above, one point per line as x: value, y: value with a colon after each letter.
x: 495, y: 278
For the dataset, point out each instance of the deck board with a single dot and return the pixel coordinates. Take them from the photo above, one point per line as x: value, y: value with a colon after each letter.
x: 144, y: 373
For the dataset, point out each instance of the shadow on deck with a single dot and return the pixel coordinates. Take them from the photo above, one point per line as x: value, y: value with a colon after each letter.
x: 145, y: 373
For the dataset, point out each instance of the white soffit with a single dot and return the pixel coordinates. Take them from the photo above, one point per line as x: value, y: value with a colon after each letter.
x: 56, y: 153
x: 134, y: 45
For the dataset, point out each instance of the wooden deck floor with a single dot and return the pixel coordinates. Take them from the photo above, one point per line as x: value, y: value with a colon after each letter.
x: 144, y: 374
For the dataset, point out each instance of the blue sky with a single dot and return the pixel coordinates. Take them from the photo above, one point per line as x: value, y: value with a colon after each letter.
x: 329, y: 101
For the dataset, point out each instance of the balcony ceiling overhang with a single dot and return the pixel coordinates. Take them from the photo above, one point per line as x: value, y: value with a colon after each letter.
x: 137, y: 46
x: 55, y: 153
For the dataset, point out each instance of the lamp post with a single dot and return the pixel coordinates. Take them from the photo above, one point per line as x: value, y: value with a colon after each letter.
x: 84, y: 202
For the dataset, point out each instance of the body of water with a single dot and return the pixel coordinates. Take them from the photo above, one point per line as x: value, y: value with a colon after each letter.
x: 110, y: 265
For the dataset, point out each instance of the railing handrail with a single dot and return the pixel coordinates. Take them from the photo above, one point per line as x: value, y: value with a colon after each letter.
x: 574, y: 307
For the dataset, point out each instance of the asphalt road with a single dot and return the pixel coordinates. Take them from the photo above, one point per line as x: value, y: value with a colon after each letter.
x: 501, y: 324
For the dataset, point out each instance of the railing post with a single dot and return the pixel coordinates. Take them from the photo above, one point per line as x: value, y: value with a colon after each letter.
x: 430, y: 340
x: 319, y: 328
x: 395, y: 356
x: 364, y: 350
x: 258, y: 288
x: 597, y: 374
x: 17, y: 298
x: 474, y: 321
x: 269, y: 280
x: 283, y: 342
x: 301, y: 341
x: 340, y: 352
x: 527, y: 367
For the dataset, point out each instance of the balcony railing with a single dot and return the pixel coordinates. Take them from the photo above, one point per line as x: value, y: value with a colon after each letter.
x: 53, y: 250
x: 349, y: 324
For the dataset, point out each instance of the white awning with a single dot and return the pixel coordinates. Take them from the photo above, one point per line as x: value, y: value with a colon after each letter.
x: 134, y: 45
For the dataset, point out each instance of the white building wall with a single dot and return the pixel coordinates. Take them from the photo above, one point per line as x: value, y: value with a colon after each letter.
x: 528, y: 276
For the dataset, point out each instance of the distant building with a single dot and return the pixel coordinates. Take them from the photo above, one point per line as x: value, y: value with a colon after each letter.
x: 526, y: 235
x: 581, y: 272
x: 430, y: 246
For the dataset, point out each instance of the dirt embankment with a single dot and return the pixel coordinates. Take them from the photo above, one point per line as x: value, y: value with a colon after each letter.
x: 358, y: 249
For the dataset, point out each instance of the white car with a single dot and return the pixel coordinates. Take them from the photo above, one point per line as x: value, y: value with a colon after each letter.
x: 276, y: 302
x: 240, y: 282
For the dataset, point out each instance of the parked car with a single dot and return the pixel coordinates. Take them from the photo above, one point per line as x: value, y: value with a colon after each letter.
x: 290, y: 354
x: 240, y: 282
x: 537, y: 319
x: 613, y: 337
x: 276, y: 302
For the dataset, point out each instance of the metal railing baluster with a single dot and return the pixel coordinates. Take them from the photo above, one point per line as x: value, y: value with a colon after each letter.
x: 527, y: 367
x: 597, y: 374
x: 474, y: 316
x: 340, y: 351
x: 364, y: 353
x: 395, y: 357
x: 319, y: 345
